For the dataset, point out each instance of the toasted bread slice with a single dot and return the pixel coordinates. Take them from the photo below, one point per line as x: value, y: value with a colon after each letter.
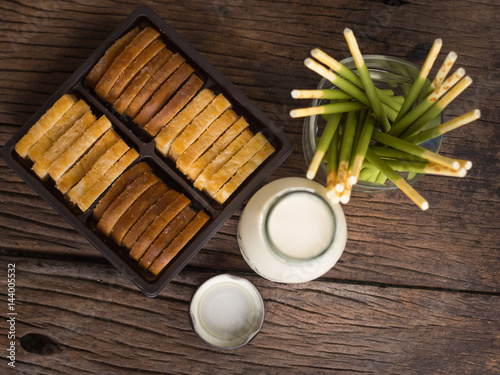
x: 145, y: 220
x: 79, y: 147
x: 166, y: 236
x: 44, y: 123
x: 107, y: 179
x: 216, y: 148
x: 242, y: 174
x: 157, y: 226
x: 180, y: 99
x: 109, y: 56
x: 235, y: 163
x: 198, y: 126
x: 205, y: 140
x: 163, y: 94
x: 179, y: 242
x: 167, y: 135
x: 124, y: 59
x: 100, y: 167
x: 153, y: 83
x: 131, y: 193
x: 122, y: 102
x: 222, y: 158
x: 135, y: 66
x: 64, y: 142
x: 64, y: 123
x: 119, y: 186
x: 78, y: 171
x: 134, y: 212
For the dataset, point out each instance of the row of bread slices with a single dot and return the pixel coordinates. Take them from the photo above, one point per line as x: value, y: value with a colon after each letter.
x: 143, y: 79
x: 152, y: 221
x: 210, y: 144
x: 80, y: 152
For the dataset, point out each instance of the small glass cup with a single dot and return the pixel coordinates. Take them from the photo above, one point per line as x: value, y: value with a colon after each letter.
x: 386, y: 73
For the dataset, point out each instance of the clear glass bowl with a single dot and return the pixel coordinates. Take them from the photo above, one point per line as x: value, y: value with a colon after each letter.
x: 387, y: 73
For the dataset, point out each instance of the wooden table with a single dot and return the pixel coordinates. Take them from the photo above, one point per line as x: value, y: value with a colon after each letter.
x: 414, y: 292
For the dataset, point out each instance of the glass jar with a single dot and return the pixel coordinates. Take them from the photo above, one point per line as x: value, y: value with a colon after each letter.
x: 386, y: 73
x: 289, y: 231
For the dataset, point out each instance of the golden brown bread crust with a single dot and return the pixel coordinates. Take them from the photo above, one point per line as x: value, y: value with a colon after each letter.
x: 235, y: 163
x: 44, y: 123
x: 166, y: 236
x: 107, y: 179
x: 78, y: 171
x: 205, y: 140
x: 79, y: 148
x: 122, y: 202
x: 109, y: 56
x: 164, y: 139
x: 180, y: 99
x: 178, y: 243
x: 61, y: 144
x: 97, y: 170
x: 158, y: 224
x: 153, y: 83
x: 119, y: 186
x: 242, y: 174
x: 198, y: 125
x: 163, y: 94
x: 135, y: 66
x: 64, y: 123
x: 123, y: 60
x: 216, y: 164
x: 134, y: 212
x: 145, y: 220
x: 125, y: 98
x: 219, y: 145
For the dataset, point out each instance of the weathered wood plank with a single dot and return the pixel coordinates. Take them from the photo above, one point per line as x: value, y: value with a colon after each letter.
x: 317, y: 327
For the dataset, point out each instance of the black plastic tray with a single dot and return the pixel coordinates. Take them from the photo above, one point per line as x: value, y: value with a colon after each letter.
x: 135, y: 137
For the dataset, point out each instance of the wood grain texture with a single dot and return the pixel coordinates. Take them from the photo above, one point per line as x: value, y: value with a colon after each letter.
x: 414, y: 292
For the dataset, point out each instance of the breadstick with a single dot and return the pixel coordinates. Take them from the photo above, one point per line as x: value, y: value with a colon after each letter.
x: 123, y: 60
x: 119, y: 186
x: 157, y: 226
x: 58, y: 129
x: 220, y: 144
x: 44, y: 123
x: 163, y: 94
x: 131, y: 193
x: 178, y: 243
x: 76, y: 173
x: 103, y: 183
x: 100, y: 167
x: 109, y: 56
x: 243, y: 173
x: 222, y: 158
x: 135, y: 66
x: 153, y: 83
x: 126, y: 97
x: 64, y: 142
x: 180, y: 99
x: 134, y: 212
x: 167, y: 135
x: 167, y: 235
x: 198, y: 125
x: 205, y: 140
x: 145, y: 220
x: 234, y: 164
x: 78, y: 148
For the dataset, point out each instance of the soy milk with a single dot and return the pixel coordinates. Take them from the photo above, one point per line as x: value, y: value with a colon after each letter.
x: 289, y: 231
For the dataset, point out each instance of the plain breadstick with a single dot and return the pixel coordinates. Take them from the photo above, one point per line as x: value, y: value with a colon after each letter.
x: 76, y: 173
x: 48, y: 119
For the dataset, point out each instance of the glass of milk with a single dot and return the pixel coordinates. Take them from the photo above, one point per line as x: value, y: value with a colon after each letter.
x: 290, y: 232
